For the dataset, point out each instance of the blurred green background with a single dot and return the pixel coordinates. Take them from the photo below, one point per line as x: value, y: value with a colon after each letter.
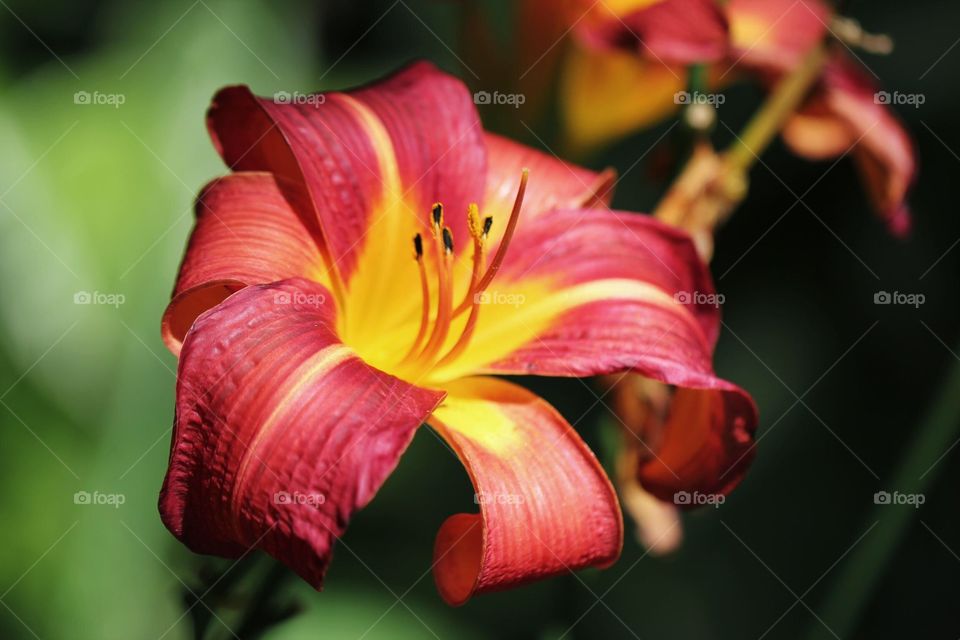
x: 98, y: 198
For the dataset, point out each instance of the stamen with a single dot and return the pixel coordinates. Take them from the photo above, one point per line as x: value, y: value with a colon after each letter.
x: 479, y: 232
x: 424, y: 296
x: 474, y: 294
x: 479, y: 229
x: 441, y: 327
x: 465, y: 336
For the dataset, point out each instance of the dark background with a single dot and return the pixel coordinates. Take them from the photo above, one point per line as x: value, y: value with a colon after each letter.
x: 96, y: 198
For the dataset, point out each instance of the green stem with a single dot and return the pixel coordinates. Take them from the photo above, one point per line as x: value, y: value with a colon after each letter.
x: 697, y: 78
x: 863, y: 569
x: 781, y: 104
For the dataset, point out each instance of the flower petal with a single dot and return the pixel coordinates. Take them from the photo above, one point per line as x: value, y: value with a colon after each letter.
x: 546, y: 505
x: 372, y: 161
x: 281, y: 432
x: 847, y: 110
x: 688, y: 440
x: 246, y: 233
x: 675, y: 32
x: 774, y: 35
x: 607, y: 94
x: 585, y: 291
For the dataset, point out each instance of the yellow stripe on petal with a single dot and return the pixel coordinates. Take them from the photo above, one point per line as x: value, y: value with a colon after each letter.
x: 474, y: 416
x: 376, y: 301
x: 514, y: 314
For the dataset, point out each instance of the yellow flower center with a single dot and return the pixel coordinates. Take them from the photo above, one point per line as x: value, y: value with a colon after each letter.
x: 394, y: 348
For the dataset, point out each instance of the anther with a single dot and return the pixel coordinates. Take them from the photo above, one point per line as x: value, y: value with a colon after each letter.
x: 487, y: 224
x: 437, y: 214
x: 418, y: 247
x: 473, y: 220
x: 447, y: 240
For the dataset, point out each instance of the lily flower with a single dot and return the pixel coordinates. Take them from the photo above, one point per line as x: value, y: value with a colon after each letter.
x: 373, y: 262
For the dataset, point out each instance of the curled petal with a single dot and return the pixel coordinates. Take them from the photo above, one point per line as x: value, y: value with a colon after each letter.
x: 688, y: 439
x: 281, y: 432
x: 246, y: 233
x: 546, y: 506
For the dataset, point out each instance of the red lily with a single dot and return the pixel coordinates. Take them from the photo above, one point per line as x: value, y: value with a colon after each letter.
x: 313, y: 344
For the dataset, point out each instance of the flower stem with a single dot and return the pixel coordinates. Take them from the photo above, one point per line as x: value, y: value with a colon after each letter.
x: 781, y: 104
x: 919, y: 467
